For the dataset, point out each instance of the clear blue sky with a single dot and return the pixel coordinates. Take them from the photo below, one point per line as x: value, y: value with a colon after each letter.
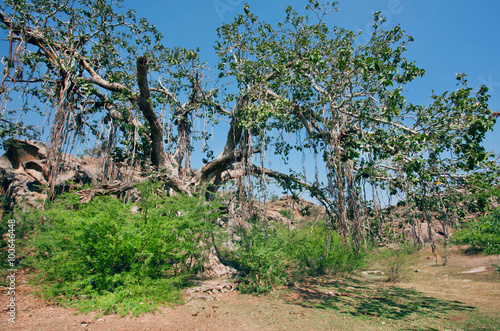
x: 451, y: 36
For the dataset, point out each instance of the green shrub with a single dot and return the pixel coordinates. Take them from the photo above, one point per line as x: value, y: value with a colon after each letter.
x: 271, y: 256
x: 305, y: 250
x: 116, y: 260
x: 395, y: 259
x: 261, y: 258
x: 286, y: 213
x: 483, y: 233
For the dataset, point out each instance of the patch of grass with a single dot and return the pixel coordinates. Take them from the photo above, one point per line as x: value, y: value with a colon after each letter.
x: 404, y: 309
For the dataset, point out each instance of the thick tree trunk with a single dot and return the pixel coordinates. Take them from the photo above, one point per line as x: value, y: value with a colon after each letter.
x: 144, y: 102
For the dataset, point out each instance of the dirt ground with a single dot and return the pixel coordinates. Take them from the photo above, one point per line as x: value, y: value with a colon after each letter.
x: 434, y: 297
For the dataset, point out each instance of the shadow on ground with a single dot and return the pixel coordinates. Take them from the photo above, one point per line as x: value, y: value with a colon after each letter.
x: 358, y: 298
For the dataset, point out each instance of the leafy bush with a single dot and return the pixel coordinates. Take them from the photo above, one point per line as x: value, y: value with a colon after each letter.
x: 307, y: 256
x: 117, y: 260
x: 271, y: 256
x: 483, y: 233
x: 260, y: 257
x: 286, y: 213
x: 395, y: 259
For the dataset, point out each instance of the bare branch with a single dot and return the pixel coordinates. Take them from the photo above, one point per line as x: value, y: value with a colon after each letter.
x: 167, y: 92
x: 55, y: 11
x: 98, y: 80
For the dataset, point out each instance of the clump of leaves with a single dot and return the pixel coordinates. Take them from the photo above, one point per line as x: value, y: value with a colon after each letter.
x: 273, y: 255
x: 483, y: 233
x: 101, y: 256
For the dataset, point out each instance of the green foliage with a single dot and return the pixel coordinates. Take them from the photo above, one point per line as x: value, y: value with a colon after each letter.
x: 484, y: 190
x: 108, y: 258
x: 483, y: 233
x: 24, y: 227
x: 261, y: 257
x: 273, y: 255
x: 395, y: 259
x: 307, y: 255
x: 286, y: 213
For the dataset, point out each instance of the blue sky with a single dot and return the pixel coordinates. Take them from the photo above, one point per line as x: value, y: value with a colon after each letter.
x: 450, y: 36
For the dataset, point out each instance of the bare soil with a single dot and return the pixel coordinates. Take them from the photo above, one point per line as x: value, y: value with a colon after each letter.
x: 434, y: 297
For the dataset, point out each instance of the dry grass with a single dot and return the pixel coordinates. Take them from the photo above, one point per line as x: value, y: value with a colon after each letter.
x: 436, y: 297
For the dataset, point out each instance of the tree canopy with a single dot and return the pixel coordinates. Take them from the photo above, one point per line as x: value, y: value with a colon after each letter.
x: 298, y: 86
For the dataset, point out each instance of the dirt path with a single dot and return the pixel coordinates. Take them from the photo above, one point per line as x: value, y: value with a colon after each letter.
x: 436, y: 297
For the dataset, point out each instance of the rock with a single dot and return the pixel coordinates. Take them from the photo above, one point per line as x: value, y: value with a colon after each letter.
x: 24, y: 173
x: 475, y: 270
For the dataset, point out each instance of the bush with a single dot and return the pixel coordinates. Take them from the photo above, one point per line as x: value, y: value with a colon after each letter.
x: 286, y: 213
x: 305, y: 250
x: 119, y: 261
x: 272, y: 255
x: 395, y: 260
x: 483, y: 233
x: 260, y: 256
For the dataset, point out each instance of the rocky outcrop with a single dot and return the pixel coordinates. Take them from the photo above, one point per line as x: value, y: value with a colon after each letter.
x: 24, y: 175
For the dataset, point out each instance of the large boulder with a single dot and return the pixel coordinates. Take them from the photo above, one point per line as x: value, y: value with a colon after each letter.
x: 24, y: 174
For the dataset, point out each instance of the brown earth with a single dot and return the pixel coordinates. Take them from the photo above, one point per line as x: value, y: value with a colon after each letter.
x: 434, y: 297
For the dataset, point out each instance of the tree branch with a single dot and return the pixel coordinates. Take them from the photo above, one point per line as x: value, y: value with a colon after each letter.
x: 257, y: 170
x: 98, y: 80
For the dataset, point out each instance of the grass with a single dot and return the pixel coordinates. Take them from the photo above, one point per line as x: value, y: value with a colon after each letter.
x: 372, y: 305
x: 435, y: 298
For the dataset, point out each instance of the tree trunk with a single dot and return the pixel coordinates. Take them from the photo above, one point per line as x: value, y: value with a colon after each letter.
x: 144, y: 102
